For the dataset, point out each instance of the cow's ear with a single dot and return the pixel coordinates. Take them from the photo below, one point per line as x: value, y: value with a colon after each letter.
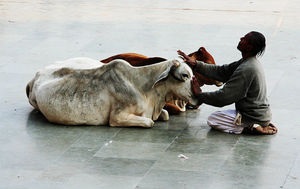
x: 166, y: 72
x: 162, y: 76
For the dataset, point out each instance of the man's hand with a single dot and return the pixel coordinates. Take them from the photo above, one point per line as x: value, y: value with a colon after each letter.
x: 196, y: 90
x: 187, y: 59
x: 195, y: 86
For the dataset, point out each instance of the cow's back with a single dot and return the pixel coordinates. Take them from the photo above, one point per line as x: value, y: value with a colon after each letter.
x: 66, y: 95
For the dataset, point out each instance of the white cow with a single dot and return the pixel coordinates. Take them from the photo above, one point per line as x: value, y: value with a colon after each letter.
x: 82, y: 91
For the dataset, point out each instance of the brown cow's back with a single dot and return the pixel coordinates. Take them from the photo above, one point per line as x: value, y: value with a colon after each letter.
x: 135, y: 59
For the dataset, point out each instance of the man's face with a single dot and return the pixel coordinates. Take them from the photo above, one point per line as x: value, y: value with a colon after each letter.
x: 244, y: 44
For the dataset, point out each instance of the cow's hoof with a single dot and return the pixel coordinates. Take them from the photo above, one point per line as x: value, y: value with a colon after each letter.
x: 164, y: 115
x: 149, y: 123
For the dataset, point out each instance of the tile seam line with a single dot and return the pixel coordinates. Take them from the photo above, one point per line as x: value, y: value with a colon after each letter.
x: 289, y: 171
x: 196, y: 9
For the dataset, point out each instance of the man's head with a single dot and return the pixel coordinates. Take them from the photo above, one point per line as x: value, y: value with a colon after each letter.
x: 252, y: 44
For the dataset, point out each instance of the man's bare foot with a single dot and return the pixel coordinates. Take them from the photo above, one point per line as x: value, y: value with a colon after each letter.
x: 260, y: 130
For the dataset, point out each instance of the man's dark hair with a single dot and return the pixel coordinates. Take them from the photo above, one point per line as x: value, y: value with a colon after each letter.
x: 258, y: 42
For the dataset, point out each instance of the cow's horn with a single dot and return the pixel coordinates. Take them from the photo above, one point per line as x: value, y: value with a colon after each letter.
x: 176, y: 63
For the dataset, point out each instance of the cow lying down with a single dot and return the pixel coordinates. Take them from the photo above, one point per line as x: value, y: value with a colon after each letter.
x: 80, y: 91
x: 176, y: 106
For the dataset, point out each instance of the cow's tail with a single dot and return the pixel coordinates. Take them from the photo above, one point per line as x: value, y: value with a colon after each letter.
x: 30, y: 95
x: 29, y: 88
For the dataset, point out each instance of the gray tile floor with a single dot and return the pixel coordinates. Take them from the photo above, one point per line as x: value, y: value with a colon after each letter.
x: 37, y: 154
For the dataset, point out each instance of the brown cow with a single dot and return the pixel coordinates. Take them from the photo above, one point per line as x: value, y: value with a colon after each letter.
x: 141, y: 60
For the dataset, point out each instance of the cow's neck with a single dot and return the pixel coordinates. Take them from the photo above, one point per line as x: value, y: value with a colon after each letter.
x: 159, y: 96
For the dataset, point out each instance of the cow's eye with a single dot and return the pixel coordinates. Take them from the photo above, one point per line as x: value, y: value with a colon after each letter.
x: 185, y: 76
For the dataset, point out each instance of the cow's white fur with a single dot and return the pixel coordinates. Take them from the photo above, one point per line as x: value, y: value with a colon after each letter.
x: 83, y: 91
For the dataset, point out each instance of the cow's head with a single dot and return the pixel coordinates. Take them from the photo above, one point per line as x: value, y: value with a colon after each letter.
x: 179, y: 76
x: 204, y: 56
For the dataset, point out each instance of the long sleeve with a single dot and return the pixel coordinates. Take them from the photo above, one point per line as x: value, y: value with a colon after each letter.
x: 220, y: 73
x: 234, y: 89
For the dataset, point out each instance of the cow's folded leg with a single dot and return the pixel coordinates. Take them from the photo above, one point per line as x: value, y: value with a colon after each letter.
x: 164, y: 115
x: 130, y: 120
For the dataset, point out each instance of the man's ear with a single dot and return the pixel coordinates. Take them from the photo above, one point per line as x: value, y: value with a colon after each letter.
x: 250, y: 48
